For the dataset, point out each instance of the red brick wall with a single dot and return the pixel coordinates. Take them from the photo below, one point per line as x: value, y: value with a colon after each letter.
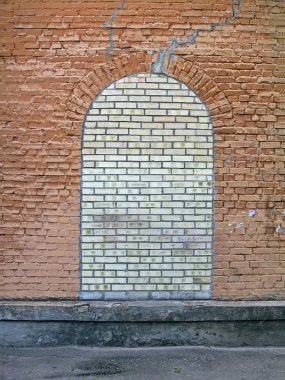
x: 54, y: 62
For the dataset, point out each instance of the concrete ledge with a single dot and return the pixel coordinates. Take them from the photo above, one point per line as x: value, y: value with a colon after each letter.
x: 141, y: 323
x: 142, y: 311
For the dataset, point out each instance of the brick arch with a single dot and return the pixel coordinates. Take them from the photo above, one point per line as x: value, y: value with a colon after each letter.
x: 179, y: 68
x: 102, y: 76
x: 207, y: 90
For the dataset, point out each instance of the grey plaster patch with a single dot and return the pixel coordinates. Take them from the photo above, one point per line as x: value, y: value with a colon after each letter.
x: 109, y: 24
x: 158, y: 66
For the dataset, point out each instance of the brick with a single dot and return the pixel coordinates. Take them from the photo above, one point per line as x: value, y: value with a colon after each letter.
x: 67, y: 70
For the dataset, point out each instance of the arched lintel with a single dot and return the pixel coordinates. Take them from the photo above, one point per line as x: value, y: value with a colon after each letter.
x: 179, y: 68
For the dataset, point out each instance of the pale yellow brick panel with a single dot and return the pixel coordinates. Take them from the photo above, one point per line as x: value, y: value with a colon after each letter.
x: 147, y: 191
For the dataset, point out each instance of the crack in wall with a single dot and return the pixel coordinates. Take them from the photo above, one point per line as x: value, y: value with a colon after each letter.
x: 158, y: 66
x: 110, y: 26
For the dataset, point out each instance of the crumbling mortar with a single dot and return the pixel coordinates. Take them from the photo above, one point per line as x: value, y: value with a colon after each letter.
x: 158, y: 66
x: 110, y: 26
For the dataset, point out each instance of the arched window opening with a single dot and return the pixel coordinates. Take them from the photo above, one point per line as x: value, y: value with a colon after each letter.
x: 147, y: 192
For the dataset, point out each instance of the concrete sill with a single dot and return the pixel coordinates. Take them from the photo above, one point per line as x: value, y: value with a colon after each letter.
x: 142, y: 311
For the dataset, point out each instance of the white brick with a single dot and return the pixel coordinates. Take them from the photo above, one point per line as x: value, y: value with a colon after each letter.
x: 148, y: 167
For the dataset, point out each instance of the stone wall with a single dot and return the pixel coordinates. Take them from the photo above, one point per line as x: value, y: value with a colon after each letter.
x: 57, y: 57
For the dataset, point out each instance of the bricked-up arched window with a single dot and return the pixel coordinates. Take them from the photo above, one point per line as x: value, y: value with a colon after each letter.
x: 147, y: 192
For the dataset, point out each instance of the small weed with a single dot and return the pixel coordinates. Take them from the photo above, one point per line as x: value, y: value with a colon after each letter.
x: 177, y: 369
x: 34, y: 365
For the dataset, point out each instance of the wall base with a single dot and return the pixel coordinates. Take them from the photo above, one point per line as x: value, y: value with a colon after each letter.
x: 142, y: 323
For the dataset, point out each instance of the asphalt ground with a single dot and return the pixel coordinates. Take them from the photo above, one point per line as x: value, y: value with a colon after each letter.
x: 160, y: 363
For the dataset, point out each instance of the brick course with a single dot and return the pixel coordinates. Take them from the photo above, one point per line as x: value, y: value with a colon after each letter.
x: 53, y: 65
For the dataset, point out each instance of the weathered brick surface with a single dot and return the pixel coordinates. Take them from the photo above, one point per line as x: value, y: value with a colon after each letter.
x: 53, y: 64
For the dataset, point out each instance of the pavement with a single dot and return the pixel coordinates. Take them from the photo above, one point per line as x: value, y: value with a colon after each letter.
x: 159, y: 363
